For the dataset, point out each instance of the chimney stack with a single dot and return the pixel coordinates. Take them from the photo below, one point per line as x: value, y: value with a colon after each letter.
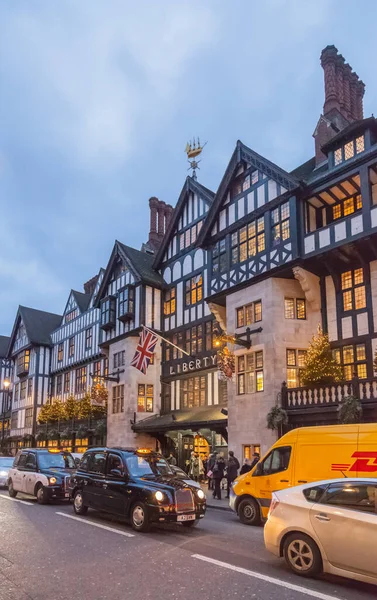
x: 160, y: 216
x: 343, y: 104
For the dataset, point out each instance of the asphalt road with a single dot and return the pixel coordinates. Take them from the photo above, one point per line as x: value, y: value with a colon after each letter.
x: 47, y: 555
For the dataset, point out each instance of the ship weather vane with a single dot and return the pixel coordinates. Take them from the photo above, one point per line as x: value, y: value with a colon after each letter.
x: 193, y: 149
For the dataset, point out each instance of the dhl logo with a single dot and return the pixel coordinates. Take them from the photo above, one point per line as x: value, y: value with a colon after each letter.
x: 366, y: 462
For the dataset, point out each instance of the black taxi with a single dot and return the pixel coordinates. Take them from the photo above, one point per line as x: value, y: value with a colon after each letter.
x: 137, y: 484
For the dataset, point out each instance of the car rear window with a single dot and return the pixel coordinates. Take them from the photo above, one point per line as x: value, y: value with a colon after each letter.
x: 315, y: 493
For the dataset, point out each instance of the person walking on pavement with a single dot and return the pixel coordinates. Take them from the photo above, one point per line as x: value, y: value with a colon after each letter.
x: 210, y: 465
x: 246, y: 467
x: 196, y: 466
x: 232, y: 470
x: 172, y: 460
x: 218, y: 474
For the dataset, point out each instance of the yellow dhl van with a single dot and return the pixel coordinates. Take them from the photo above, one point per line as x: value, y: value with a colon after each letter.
x: 302, y: 456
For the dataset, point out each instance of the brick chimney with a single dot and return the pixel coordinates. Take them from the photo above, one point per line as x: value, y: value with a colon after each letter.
x: 90, y: 285
x: 343, y: 104
x: 160, y: 215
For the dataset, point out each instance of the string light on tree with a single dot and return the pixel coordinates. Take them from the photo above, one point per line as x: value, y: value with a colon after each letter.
x: 320, y: 364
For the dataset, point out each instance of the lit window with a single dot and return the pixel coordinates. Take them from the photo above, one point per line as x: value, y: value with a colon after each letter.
x: 360, y: 145
x: 169, y: 302
x: 80, y: 383
x: 187, y: 238
x: 194, y: 290
x: 348, y: 151
x: 348, y: 207
x: 353, y: 289
x: 250, y: 377
x: 60, y: 352
x: 295, y: 308
x: 248, y: 241
x: 353, y: 360
x: 144, y: 397
x: 295, y: 363
x: 249, y: 314
x: 338, y: 156
x: 71, y: 347
x: 280, y: 224
x: 336, y: 211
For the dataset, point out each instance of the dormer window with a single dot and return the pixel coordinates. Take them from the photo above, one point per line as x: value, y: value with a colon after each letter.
x: 349, y: 150
x: 23, y: 360
x: 126, y: 304
x: 108, y: 313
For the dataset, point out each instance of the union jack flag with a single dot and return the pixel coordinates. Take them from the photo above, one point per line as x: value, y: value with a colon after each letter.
x: 144, y: 350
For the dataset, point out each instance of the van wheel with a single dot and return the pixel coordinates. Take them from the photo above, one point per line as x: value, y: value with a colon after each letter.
x: 302, y: 555
x: 41, y: 494
x: 248, y: 512
x: 11, y: 491
x: 78, y: 504
x: 139, y: 517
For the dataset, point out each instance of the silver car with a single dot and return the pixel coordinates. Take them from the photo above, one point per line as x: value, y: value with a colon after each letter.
x: 326, y: 526
x: 6, y: 463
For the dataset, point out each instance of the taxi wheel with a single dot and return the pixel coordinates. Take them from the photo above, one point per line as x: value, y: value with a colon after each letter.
x: 139, y: 517
x: 41, y: 494
x: 190, y: 523
x: 11, y: 491
x: 248, y: 512
x: 302, y: 555
x: 78, y: 504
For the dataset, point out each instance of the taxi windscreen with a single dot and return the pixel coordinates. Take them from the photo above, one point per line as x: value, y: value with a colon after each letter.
x: 48, y: 460
x: 139, y: 466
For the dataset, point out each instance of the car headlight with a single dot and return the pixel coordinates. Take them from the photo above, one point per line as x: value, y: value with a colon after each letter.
x: 201, y: 494
x: 159, y: 496
x: 3, y: 473
x: 52, y: 480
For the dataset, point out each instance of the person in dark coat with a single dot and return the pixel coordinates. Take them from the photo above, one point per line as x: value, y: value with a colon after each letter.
x: 256, y: 459
x: 232, y: 470
x: 210, y: 465
x: 218, y: 474
x: 246, y: 467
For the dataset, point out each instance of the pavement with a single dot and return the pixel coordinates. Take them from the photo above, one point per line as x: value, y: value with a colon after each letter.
x: 47, y: 553
x: 212, y: 502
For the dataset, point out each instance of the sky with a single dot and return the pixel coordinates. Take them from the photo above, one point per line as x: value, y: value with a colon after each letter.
x: 98, y: 100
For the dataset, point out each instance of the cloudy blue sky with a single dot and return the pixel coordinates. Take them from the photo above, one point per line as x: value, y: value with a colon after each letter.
x: 99, y: 98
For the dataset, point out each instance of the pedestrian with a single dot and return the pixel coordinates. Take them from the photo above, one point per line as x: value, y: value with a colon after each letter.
x: 232, y: 470
x: 172, y: 460
x: 218, y: 474
x: 210, y: 465
x: 256, y: 459
x: 196, y: 466
x: 246, y: 467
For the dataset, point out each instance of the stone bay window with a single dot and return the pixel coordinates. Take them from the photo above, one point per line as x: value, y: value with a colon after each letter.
x: 249, y: 314
x: 108, y: 312
x: 250, y: 377
x: 126, y: 303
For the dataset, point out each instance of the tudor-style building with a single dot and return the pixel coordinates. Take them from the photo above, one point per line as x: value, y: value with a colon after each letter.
x: 5, y: 391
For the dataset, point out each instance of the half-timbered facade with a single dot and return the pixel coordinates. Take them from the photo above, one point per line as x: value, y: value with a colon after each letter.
x: 5, y: 391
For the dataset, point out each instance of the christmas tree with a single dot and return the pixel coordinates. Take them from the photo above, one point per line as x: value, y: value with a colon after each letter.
x: 321, y: 367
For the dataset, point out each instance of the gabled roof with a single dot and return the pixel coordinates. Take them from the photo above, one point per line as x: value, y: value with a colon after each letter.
x: 139, y: 263
x: 304, y: 171
x: 4, y: 343
x: 82, y: 300
x: 243, y: 153
x: 190, y: 185
x: 38, y: 325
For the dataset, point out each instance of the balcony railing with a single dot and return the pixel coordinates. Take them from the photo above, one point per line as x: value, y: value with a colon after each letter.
x: 329, y: 395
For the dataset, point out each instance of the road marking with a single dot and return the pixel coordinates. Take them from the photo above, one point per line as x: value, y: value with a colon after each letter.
x: 16, y: 500
x: 280, y: 582
x: 125, y: 533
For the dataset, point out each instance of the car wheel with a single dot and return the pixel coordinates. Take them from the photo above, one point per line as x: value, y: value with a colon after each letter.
x: 11, y: 491
x: 190, y: 523
x: 41, y: 494
x: 78, y: 504
x: 139, y: 517
x: 248, y: 512
x: 302, y: 555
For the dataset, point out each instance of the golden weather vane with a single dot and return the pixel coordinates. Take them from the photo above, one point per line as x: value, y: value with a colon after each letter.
x: 193, y: 149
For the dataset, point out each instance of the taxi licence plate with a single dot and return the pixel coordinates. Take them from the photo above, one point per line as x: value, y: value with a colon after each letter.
x: 186, y: 518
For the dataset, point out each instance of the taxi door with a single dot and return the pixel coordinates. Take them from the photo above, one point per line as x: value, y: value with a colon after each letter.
x: 30, y: 477
x: 273, y: 473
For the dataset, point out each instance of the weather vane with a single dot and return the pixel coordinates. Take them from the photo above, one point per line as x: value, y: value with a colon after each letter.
x: 193, y: 149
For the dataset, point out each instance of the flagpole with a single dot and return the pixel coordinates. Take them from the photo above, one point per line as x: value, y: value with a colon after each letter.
x: 165, y: 340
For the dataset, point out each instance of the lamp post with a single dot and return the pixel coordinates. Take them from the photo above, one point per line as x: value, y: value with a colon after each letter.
x: 5, y: 392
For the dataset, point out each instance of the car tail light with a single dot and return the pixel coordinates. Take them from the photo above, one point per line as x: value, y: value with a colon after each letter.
x: 274, y: 503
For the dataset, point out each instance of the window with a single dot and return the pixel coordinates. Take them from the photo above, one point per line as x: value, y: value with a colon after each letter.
x: 250, y: 377
x: 126, y: 303
x: 242, y: 184
x: 275, y: 462
x: 14, y: 421
x: 194, y: 340
x: 118, y: 359
x: 248, y: 240
x: 295, y: 308
x: 114, y: 462
x: 249, y: 314
x: 71, y: 315
x: 194, y: 290
x: 108, y: 310
x: 169, y: 302
x: 71, y: 347
x: 29, y: 388
x: 23, y: 360
x: 280, y: 224
x: 295, y: 363
x: 209, y: 343
x: 31, y: 461
x: 80, y: 380
x: 219, y: 262
x: 29, y: 417
x: 118, y: 399
x: 349, y: 150
x: 353, y: 359
x: 144, y: 397
x: 60, y: 351
x: 347, y: 207
x: 59, y: 383
x: 66, y: 382
x: 17, y: 392
x: 353, y: 290
x: 88, y: 337
x: 249, y: 450
x: 97, y: 369
x: 106, y: 366
x: 193, y: 391
x: 354, y: 496
x: 315, y: 493
x: 97, y: 463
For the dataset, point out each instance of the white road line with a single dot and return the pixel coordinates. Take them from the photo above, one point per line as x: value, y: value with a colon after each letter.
x: 125, y: 533
x: 280, y: 582
x: 16, y: 500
